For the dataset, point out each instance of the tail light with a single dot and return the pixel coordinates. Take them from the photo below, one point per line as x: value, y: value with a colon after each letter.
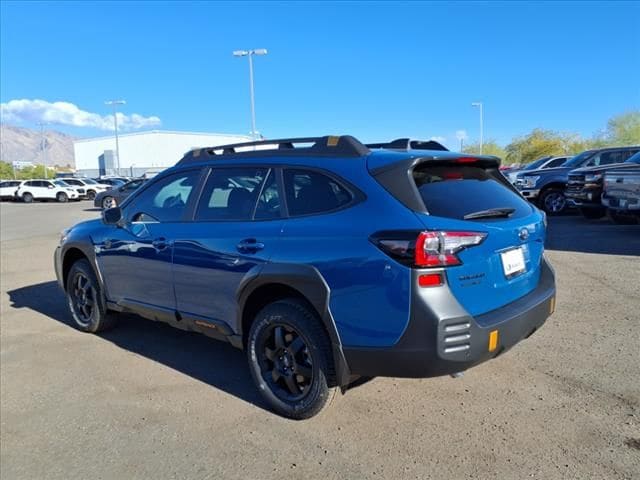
x: 427, y: 249
x: 439, y: 249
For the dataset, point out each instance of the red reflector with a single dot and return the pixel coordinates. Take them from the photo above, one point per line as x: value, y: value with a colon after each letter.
x: 466, y: 160
x: 430, y: 280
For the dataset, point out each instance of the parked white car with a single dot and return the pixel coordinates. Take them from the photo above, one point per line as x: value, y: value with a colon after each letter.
x: 31, y: 190
x: 87, y: 187
x: 8, y: 189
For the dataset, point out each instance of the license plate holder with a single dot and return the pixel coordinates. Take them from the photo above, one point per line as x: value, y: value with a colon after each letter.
x: 513, y: 263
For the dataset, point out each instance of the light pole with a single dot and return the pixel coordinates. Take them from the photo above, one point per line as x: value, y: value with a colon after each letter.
x: 114, y: 104
x: 43, y: 147
x: 250, y: 54
x: 479, y: 104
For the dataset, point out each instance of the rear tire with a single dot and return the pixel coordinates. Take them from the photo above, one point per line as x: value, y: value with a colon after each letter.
x: 91, y: 195
x: 619, y: 219
x: 553, y: 201
x: 290, y: 359
x: 593, y: 213
x: 62, y: 197
x: 27, y: 198
x: 86, y: 300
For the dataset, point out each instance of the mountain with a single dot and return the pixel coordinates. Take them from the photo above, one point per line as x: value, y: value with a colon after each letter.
x: 24, y: 145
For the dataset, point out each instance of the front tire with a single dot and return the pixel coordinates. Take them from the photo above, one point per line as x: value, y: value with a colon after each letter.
x: 27, y: 198
x: 108, y: 202
x: 86, y: 301
x: 290, y: 359
x: 553, y: 201
x: 62, y: 197
x: 619, y: 219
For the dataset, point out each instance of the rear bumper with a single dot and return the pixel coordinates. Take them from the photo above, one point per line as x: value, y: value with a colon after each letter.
x: 442, y: 339
x: 620, y: 203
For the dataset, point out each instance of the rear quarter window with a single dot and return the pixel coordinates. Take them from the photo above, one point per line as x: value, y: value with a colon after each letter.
x: 456, y: 191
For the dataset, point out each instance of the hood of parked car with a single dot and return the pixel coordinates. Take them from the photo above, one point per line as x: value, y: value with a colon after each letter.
x: 545, y: 171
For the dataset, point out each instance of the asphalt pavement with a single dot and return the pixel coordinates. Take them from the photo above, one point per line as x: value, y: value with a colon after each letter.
x: 149, y: 401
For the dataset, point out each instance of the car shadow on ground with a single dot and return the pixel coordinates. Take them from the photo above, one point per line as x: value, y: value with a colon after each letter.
x: 578, y: 234
x: 94, y: 209
x: 210, y: 361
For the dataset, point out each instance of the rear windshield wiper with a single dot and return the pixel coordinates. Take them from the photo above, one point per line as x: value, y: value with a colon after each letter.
x: 491, y: 213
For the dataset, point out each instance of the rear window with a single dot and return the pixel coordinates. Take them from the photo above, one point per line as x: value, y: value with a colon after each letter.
x: 456, y: 191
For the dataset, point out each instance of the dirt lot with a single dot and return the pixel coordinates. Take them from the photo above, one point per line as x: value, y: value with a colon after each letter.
x: 147, y: 401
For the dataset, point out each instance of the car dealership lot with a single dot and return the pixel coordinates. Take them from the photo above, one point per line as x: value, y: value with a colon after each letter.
x: 146, y: 400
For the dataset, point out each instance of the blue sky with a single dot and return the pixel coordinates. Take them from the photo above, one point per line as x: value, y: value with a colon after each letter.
x: 374, y: 70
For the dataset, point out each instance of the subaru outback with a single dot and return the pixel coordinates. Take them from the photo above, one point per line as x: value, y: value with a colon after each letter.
x: 325, y: 259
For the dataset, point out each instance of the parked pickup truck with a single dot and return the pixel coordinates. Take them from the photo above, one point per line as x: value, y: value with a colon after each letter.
x: 547, y: 187
x: 621, y: 194
x: 585, y: 186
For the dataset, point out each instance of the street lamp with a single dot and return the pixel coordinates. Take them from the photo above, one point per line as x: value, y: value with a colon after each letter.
x: 479, y: 104
x: 43, y: 147
x: 114, y: 104
x: 250, y: 54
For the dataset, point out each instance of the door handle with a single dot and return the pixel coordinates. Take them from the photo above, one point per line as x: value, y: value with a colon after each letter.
x: 249, y: 245
x: 160, y: 243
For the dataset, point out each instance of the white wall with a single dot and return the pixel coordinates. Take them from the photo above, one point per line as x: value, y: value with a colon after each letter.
x: 147, y: 149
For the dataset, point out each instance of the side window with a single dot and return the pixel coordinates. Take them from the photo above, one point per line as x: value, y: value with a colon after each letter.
x: 311, y: 192
x: 269, y: 201
x: 594, y: 161
x: 165, y: 200
x: 29, y: 184
x: 608, y: 158
x: 231, y: 194
x: 557, y: 162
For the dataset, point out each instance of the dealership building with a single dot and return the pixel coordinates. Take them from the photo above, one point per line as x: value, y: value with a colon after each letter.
x: 142, y: 151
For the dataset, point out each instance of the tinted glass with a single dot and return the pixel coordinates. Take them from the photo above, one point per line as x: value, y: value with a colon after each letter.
x: 230, y: 194
x: 72, y: 181
x: 269, y: 201
x: 634, y: 159
x: 131, y: 185
x: 165, y: 200
x: 536, y: 163
x: 577, y: 161
x: 453, y: 192
x: 29, y: 184
x: 61, y: 183
x: 556, y: 162
x: 89, y: 181
x: 311, y: 192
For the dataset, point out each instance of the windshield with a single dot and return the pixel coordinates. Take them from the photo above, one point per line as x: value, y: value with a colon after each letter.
x: 536, y: 163
x: 634, y: 159
x: 89, y: 181
x: 578, y: 159
x: 61, y: 183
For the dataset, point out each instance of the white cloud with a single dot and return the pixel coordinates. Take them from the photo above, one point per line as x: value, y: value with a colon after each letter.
x: 66, y: 113
x: 462, y: 135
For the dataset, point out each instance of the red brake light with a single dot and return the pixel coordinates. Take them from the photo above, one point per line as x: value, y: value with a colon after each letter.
x: 466, y: 160
x: 439, y: 249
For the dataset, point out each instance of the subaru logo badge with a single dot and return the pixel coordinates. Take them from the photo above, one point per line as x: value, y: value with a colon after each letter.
x: 523, y: 234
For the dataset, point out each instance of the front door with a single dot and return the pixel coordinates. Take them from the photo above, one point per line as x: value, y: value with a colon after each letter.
x: 236, y: 229
x: 135, y: 258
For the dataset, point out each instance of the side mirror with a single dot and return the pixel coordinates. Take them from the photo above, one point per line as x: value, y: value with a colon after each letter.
x: 112, y: 216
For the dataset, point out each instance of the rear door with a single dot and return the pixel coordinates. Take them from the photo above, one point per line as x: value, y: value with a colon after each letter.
x: 467, y: 198
x: 236, y: 227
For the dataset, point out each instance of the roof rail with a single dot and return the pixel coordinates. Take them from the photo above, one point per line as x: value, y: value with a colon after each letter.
x: 329, y: 146
x: 408, y: 144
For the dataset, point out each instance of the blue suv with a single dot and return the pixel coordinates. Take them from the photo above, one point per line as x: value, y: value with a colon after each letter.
x: 324, y: 258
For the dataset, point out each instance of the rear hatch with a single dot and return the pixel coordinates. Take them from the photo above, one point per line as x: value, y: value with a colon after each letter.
x: 470, y: 195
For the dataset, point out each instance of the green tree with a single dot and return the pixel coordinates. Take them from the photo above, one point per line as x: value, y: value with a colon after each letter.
x: 537, y: 144
x: 489, y: 147
x: 623, y: 129
x: 6, y: 170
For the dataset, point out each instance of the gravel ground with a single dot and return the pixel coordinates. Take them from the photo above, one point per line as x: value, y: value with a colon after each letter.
x: 148, y: 401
